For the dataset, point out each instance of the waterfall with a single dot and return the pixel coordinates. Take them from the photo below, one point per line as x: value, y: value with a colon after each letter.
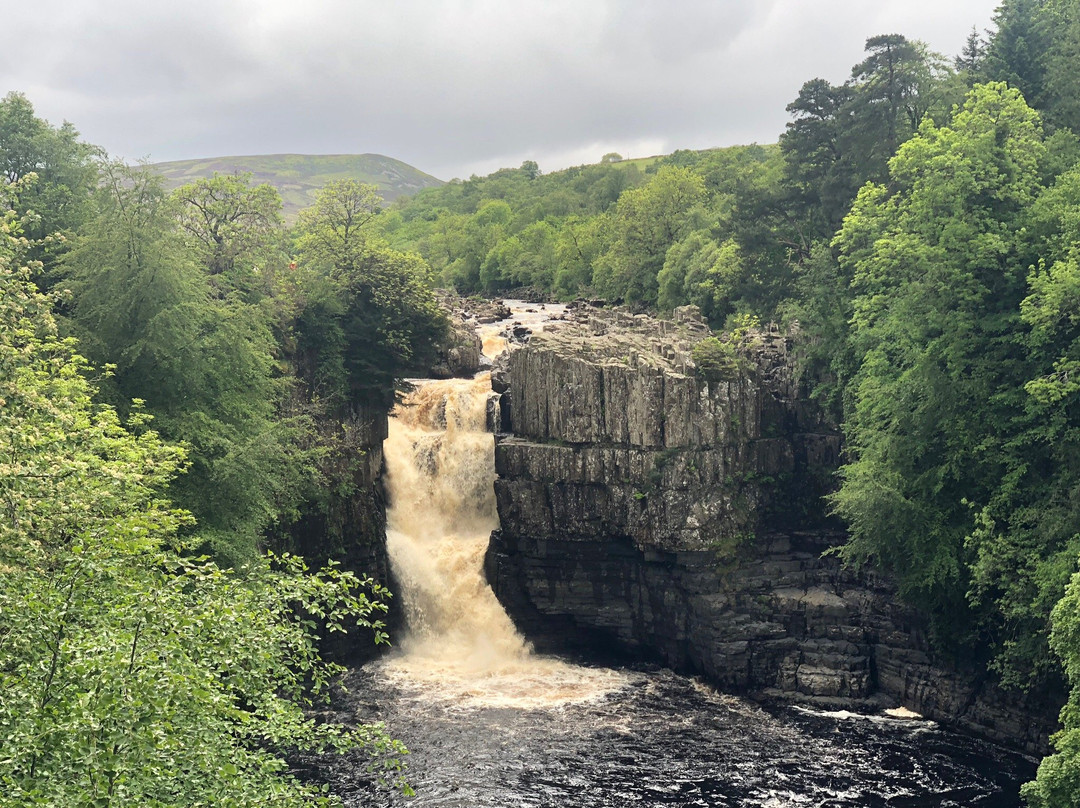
x: 459, y: 644
x: 490, y: 723
x: 440, y: 462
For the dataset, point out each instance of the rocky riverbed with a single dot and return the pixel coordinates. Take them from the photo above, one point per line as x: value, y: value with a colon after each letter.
x: 660, y: 739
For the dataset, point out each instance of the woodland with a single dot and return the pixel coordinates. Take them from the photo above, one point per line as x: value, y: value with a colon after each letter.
x: 177, y: 372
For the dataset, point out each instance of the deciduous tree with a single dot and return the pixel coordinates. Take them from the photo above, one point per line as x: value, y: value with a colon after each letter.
x: 132, y: 674
x: 648, y: 220
x: 234, y: 229
x: 368, y: 312
x: 205, y: 365
x: 65, y: 173
x: 937, y: 270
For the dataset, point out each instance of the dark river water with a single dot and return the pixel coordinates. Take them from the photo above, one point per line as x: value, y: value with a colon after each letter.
x: 666, y: 740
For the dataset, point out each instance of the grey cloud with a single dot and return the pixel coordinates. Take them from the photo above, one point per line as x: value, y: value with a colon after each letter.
x: 449, y: 86
x: 673, y: 32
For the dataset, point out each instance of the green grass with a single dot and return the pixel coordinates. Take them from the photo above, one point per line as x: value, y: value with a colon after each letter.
x: 641, y: 162
x: 299, y: 177
x: 644, y: 162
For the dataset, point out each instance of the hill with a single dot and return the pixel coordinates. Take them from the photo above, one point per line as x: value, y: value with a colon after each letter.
x: 298, y: 177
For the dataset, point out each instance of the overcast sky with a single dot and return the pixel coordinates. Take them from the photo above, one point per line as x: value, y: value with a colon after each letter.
x: 453, y: 87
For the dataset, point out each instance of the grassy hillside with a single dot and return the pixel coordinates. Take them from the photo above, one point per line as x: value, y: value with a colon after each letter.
x: 640, y: 162
x: 298, y: 177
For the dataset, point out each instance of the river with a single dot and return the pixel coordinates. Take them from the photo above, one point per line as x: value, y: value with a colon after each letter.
x: 490, y: 723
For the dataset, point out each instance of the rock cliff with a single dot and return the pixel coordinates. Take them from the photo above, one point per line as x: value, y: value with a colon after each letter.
x: 348, y: 523
x: 460, y: 353
x: 653, y: 511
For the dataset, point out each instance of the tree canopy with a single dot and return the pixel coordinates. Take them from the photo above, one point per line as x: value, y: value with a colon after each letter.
x: 146, y: 302
x: 133, y: 673
x: 367, y: 311
x: 57, y: 199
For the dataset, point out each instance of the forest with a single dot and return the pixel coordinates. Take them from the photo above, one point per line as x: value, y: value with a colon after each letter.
x: 179, y: 369
x: 178, y: 374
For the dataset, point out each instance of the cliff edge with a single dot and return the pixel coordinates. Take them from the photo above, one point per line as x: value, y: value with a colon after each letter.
x: 650, y: 509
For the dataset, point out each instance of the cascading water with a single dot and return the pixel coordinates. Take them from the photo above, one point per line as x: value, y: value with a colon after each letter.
x: 460, y: 644
x: 491, y: 724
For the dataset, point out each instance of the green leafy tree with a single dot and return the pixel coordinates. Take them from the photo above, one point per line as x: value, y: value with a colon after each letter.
x: 647, y: 222
x: 822, y: 172
x: 530, y: 169
x: 471, y: 232
x: 484, y: 231
x: 132, y: 674
x: 841, y: 137
x: 233, y: 230
x: 1015, y: 51
x: 525, y: 259
x: 938, y: 276
x: 970, y: 61
x: 580, y: 242
x: 1057, y: 784
x: 1060, y: 96
x: 335, y: 230
x: 603, y: 185
x: 894, y: 89
x: 367, y: 312
x: 1034, y: 47
x: 747, y: 211
x: 698, y: 270
x: 822, y: 305
x: 439, y: 239
x: 206, y: 366
x: 1027, y: 536
x: 63, y: 166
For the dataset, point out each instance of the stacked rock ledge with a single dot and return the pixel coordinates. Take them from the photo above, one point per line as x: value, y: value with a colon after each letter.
x: 648, y: 511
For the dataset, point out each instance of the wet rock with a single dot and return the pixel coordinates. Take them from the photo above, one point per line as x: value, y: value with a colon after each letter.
x: 500, y: 373
x: 489, y: 311
x: 492, y: 413
x: 461, y: 351
x: 348, y: 528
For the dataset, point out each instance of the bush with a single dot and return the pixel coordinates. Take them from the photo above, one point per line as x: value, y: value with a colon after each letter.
x: 717, y: 360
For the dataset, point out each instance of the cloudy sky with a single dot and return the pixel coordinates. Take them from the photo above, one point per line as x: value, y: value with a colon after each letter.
x: 453, y: 87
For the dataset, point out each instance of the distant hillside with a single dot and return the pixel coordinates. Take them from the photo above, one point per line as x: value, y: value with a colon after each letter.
x: 298, y: 177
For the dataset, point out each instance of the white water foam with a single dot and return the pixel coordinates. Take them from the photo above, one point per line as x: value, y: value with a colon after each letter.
x: 460, y: 644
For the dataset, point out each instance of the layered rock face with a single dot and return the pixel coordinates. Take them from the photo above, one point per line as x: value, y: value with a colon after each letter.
x: 646, y: 509
x: 461, y: 351
x: 349, y: 528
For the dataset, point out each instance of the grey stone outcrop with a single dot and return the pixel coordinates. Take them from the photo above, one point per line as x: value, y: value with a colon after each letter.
x: 647, y: 510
